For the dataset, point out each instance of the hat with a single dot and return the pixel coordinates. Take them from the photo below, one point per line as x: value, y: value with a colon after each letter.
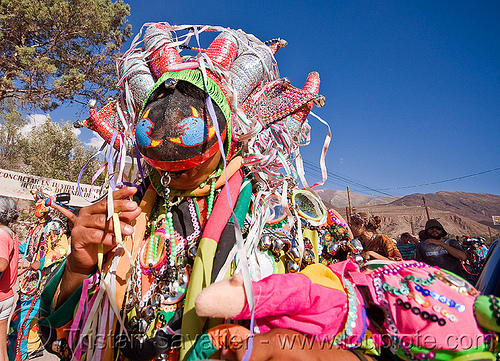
x: 434, y: 223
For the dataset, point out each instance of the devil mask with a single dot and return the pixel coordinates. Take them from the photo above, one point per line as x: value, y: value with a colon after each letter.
x: 175, y: 131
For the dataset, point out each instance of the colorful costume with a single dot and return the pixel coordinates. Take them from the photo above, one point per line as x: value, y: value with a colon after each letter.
x: 47, y: 244
x: 180, y: 113
x: 415, y: 310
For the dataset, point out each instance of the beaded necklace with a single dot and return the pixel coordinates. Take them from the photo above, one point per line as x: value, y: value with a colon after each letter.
x: 168, y: 265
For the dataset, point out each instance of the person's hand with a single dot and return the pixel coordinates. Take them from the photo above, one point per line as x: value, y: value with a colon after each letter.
x: 435, y: 241
x: 92, y: 228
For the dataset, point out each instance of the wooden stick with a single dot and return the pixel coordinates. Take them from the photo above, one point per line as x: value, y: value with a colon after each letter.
x: 349, y: 202
x: 426, y: 208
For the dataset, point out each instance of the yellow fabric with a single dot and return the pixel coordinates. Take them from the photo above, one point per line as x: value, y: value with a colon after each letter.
x: 33, y: 341
x: 123, y: 267
x: 57, y: 251
x: 141, y: 222
x: 313, y: 236
x: 322, y: 275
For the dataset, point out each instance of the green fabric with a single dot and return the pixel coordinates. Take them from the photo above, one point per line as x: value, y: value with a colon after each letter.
x: 442, y: 355
x: 483, y: 311
x: 64, y: 313
x: 243, y: 203
x: 202, y: 349
x: 192, y: 325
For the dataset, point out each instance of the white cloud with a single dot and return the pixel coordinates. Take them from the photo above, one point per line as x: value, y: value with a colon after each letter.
x: 76, y: 131
x: 95, y: 141
x: 34, y: 121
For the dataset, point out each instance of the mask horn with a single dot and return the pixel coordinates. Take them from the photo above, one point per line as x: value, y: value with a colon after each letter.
x: 157, y: 37
x: 276, y: 44
x: 311, y: 86
x: 223, y: 50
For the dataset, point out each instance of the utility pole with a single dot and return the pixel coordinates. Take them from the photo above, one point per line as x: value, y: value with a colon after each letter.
x: 349, y: 203
x: 426, y: 208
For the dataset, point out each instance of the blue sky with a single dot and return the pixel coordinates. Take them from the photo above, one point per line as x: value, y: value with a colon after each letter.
x: 412, y: 87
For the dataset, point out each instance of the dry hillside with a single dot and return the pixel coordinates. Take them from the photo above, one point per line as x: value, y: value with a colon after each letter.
x: 399, y: 219
x: 459, y: 212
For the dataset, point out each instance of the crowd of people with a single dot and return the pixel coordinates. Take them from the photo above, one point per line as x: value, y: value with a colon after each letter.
x: 46, y: 247
x: 463, y: 257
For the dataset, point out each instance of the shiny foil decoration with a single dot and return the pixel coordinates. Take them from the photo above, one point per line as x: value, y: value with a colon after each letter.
x: 139, y: 77
x: 248, y: 71
x: 104, y: 122
x: 223, y: 50
x: 156, y: 40
x: 277, y: 100
x: 312, y: 87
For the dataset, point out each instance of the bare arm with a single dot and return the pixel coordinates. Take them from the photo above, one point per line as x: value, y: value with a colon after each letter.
x: 374, y: 255
x: 288, y: 345
x: 3, y: 264
x: 64, y: 211
x: 450, y: 249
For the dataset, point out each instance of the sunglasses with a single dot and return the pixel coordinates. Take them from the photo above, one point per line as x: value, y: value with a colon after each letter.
x: 436, y: 228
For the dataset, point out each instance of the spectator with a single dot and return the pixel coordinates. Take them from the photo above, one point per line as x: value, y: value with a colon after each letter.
x: 407, y: 246
x: 422, y: 235
x: 438, y: 250
x: 9, y: 258
x: 375, y: 246
x: 481, y: 249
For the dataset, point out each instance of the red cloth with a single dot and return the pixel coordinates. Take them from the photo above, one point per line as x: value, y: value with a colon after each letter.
x: 9, y: 251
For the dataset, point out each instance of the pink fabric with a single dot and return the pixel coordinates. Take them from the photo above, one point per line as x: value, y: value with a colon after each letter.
x: 9, y: 251
x: 292, y: 301
x: 222, y: 208
x: 460, y: 335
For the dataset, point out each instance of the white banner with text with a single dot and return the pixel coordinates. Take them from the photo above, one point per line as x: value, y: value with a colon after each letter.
x: 20, y: 185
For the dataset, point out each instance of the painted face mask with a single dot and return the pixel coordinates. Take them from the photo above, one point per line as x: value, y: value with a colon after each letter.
x: 40, y: 209
x: 176, y: 130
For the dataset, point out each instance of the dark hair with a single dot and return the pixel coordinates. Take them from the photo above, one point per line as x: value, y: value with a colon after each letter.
x: 422, y: 235
x: 8, y: 211
x: 408, y: 238
x: 370, y: 222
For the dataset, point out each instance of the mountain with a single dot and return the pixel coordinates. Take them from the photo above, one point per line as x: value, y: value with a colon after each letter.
x: 476, y: 206
x: 338, y: 199
x: 399, y: 219
x: 459, y: 212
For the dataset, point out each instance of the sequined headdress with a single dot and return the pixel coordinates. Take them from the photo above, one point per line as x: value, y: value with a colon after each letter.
x: 247, y: 104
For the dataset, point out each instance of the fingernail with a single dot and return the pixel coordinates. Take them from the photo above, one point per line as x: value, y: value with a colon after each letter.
x: 131, y: 205
x: 128, y: 229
